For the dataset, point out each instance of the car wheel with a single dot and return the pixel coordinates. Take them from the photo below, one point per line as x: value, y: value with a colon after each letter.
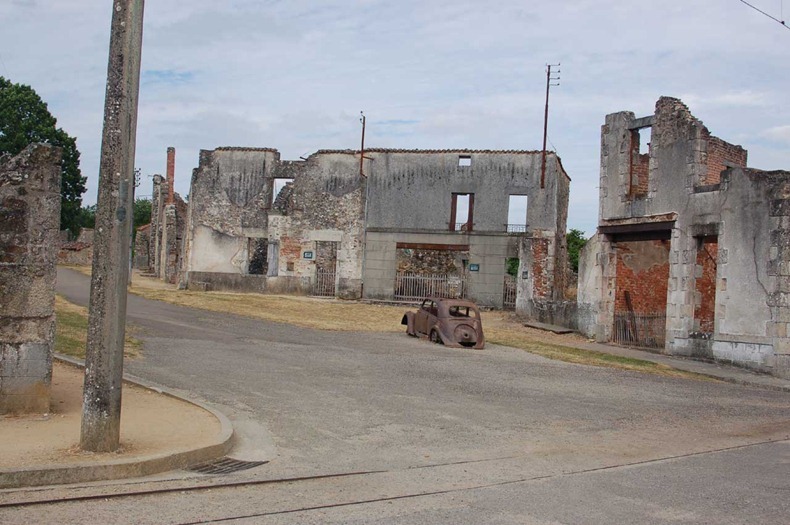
x: 435, y: 337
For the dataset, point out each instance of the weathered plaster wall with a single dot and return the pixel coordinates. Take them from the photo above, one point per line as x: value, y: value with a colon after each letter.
x: 29, y: 227
x: 229, y: 198
x: 689, y: 197
x: 324, y: 204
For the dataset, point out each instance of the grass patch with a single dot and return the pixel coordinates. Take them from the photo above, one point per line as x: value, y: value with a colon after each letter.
x: 321, y: 314
x: 327, y: 314
x: 585, y: 357
x: 71, y: 331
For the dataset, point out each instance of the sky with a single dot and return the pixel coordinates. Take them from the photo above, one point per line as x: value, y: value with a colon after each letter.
x: 294, y: 75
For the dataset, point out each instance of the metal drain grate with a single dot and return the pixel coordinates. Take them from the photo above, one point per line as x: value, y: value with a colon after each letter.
x: 225, y: 466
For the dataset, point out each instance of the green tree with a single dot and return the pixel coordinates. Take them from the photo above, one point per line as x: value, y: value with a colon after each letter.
x: 576, y: 241
x: 25, y: 119
x: 87, y: 216
x: 142, y: 212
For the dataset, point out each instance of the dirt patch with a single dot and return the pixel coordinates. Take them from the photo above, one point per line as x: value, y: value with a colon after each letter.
x: 151, y: 423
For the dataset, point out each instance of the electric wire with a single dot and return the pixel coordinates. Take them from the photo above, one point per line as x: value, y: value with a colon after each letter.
x: 782, y: 22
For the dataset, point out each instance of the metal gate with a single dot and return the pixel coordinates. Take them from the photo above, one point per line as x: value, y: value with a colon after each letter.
x: 412, y: 286
x: 509, y: 293
x: 638, y: 329
x: 324, y: 285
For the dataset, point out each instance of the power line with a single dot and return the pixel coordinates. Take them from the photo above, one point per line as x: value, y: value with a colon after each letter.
x: 766, y: 14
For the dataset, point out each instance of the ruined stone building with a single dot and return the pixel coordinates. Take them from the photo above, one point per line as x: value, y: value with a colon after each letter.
x: 158, y: 245
x: 400, y: 225
x: 692, y: 253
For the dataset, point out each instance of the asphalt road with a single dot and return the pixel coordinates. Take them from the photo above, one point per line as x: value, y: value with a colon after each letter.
x: 449, y: 435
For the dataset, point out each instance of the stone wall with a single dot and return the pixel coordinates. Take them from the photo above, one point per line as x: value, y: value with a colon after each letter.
x: 723, y: 231
x: 404, y: 197
x: 29, y: 227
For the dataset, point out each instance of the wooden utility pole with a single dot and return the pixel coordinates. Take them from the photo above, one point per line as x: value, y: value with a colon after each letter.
x: 101, y: 412
x: 549, y: 78
x: 362, y: 147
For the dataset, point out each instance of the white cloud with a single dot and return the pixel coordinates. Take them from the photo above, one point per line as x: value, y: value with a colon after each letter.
x: 435, y: 73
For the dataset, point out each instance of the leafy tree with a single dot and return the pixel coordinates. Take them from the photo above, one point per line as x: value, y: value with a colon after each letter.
x: 24, y: 119
x: 576, y: 241
x: 142, y: 212
x: 86, y: 217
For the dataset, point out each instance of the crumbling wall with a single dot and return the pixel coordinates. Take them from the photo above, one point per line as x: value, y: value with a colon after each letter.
x: 29, y: 227
x: 411, y: 198
x: 142, y: 244
x: 229, y: 201
x: 323, y: 208
x: 78, y: 252
x: 725, y: 303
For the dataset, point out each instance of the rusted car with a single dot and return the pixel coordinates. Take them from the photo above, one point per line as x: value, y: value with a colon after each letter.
x: 452, y: 322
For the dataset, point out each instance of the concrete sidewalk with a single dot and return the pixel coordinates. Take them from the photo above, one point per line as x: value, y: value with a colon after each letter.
x: 159, y: 432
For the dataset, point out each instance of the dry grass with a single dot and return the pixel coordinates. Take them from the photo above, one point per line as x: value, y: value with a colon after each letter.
x: 71, y: 331
x: 328, y: 314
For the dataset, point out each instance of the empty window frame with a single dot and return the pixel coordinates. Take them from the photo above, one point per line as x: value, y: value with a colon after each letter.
x: 640, y: 161
x: 278, y: 185
x: 462, y: 212
x: 464, y: 161
x: 517, y: 213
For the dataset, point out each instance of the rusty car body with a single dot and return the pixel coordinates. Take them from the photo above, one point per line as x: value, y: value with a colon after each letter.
x: 452, y: 322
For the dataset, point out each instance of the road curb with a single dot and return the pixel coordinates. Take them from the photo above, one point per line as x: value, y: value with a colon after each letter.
x: 124, y: 468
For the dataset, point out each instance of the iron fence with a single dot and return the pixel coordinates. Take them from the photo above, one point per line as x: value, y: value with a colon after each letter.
x: 509, y: 293
x: 639, y: 329
x: 324, y: 285
x: 412, y: 286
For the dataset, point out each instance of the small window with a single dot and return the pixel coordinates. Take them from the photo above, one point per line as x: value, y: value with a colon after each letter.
x: 464, y: 161
x: 289, y: 266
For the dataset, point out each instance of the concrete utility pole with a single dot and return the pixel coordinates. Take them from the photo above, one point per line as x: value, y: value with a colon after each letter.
x: 101, y: 413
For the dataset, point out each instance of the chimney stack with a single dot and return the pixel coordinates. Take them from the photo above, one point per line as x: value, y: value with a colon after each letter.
x: 171, y: 173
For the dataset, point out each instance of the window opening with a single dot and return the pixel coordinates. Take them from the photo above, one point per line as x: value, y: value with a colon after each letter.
x: 640, y: 161
x: 464, y: 161
x: 517, y: 214
x: 705, y: 284
x: 278, y: 185
x: 461, y: 215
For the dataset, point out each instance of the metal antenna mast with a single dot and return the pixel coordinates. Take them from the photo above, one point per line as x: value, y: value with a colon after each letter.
x: 549, y: 80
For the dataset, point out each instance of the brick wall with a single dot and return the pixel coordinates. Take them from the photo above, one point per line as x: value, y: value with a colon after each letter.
x: 720, y: 156
x: 643, y: 271
x: 705, y: 283
x: 640, y: 164
x: 541, y: 277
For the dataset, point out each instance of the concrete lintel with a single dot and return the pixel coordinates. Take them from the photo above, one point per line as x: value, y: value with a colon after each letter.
x: 643, y: 122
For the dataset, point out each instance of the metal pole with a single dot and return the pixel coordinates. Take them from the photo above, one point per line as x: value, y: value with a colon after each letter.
x: 101, y: 413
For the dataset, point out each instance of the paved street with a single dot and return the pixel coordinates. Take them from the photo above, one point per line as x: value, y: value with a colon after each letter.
x: 446, y: 435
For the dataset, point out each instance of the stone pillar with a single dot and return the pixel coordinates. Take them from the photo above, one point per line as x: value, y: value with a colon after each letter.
x: 101, y: 415
x: 171, y: 173
x: 170, y: 244
x: 29, y: 228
